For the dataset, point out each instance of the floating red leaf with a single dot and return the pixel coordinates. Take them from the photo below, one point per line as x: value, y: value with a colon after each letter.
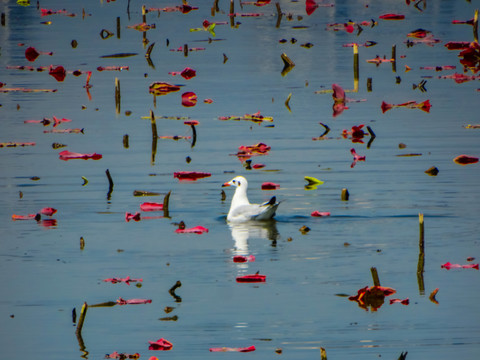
x: 194, y: 230
x: 400, y: 301
x: 68, y: 155
x: 151, y: 206
x: 49, y: 211
x: 189, y: 99
x: 270, y: 186
x: 240, y: 349
x: 160, y: 344
x: 130, y: 216
x: 121, y: 301
x: 243, y: 259
x: 392, y: 17
x: 58, y: 72
x: 320, y: 213
x: 252, y: 278
x: 449, y: 266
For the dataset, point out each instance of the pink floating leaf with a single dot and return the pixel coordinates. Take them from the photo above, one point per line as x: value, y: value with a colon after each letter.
x: 130, y: 216
x: 49, y: 211
x: 122, y: 301
x: 400, y: 301
x: 356, y: 157
x: 151, y: 206
x: 195, y: 230
x: 68, y: 155
x: 26, y: 217
x: 240, y: 349
x: 449, y: 266
x: 160, y: 344
x: 320, y: 213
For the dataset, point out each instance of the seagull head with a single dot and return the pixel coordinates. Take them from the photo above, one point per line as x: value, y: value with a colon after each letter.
x: 238, y: 181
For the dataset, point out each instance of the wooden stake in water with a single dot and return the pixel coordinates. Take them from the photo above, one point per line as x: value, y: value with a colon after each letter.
x: 421, y: 256
x: 345, y: 195
x: 376, y: 280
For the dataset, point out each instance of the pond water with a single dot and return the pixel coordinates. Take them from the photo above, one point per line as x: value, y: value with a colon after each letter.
x: 45, y: 272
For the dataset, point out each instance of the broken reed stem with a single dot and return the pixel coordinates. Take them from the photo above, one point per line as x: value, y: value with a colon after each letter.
x: 166, y: 201
x: 154, y: 136
x: 323, y: 354
x: 117, y: 96
x: 279, y: 15
x: 83, y: 313
x: 475, y: 26
x: 149, y: 50
x: 185, y: 50
x: 355, y: 67
x: 118, y: 27
x: 174, y: 287
x: 376, y: 280
x: 394, y: 58
x: 369, y: 84
x: 110, y: 184
x: 144, y: 14
x: 232, y: 13
x: 421, y: 257
x: 422, y: 231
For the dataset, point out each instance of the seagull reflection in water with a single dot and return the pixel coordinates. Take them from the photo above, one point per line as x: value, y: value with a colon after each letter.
x: 241, y: 232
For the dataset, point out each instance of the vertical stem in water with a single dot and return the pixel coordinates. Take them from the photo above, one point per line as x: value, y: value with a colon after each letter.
x: 421, y: 257
x: 376, y: 280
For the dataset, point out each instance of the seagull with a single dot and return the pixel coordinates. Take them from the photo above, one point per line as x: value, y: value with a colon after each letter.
x: 241, y: 210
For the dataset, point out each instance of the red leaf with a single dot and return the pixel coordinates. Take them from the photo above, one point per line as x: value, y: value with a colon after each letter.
x: 160, y: 344
x: 58, y: 73
x: 252, y: 278
x: 392, y: 17
x: 189, y: 99
x: 270, y: 186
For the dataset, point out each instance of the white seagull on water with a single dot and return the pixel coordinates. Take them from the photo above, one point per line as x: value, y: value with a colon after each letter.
x: 241, y: 210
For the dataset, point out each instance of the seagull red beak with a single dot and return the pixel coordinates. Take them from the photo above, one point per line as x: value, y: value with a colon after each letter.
x: 226, y: 184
